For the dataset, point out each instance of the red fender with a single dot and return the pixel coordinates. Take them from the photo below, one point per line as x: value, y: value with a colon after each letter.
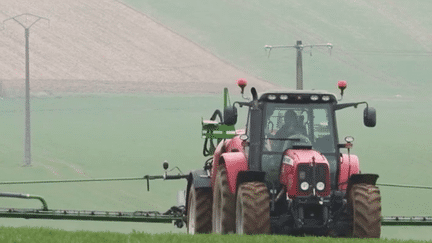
x: 234, y: 145
x: 216, y: 157
x: 349, y: 165
x: 228, y: 146
x: 234, y: 163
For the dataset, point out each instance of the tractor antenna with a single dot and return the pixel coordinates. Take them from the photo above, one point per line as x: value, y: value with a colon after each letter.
x: 299, y: 46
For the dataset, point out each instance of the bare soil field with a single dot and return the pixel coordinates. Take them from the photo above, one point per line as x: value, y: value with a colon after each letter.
x: 104, y: 46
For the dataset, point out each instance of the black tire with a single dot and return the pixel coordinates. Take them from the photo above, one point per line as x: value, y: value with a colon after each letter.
x: 253, y: 209
x: 223, y: 217
x: 199, y: 211
x: 364, y: 204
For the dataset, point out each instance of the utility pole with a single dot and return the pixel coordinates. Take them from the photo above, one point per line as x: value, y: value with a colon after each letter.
x: 27, y: 140
x: 299, y: 63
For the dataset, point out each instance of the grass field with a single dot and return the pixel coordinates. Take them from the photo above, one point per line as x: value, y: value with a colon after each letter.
x: 130, y: 136
x: 28, y: 235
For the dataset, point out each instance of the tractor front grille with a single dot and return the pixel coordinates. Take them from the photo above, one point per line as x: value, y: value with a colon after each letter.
x: 312, y: 174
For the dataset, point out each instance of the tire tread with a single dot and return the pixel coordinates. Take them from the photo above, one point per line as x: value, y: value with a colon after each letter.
x: 365, y: 203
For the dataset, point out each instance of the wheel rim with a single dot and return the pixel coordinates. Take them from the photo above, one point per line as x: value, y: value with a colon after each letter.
x: 192, y: 215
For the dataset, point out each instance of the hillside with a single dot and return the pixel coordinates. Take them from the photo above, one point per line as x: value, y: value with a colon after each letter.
x: 382, y: 48
x: 105, y: 46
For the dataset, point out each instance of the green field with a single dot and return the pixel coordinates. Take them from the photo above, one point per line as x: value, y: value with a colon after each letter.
x: 28, y: 235
x: 104, y: 136
x: 130, y: 136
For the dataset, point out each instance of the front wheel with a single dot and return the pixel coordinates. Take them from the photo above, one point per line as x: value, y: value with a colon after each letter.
x: 223, y: 204
x: 364, y: 203
x: 253, y: 209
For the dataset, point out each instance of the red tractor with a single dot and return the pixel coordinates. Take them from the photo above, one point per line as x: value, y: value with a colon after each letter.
x: 284, y: 173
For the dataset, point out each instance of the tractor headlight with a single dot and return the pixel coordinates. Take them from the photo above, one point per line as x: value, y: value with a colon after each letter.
x: 314, y: 97
x: 304, y: 186
x: 326, y: 98
x: 271, y: 97
x: 283, y: 97
x: 320, y: 186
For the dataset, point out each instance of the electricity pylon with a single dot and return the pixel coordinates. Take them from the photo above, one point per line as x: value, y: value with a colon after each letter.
x: 299, y: 46
x: 27, y: 141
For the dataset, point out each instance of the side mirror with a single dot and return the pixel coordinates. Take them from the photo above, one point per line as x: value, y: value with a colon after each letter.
x: 230, y: 115
x: 369, y: 116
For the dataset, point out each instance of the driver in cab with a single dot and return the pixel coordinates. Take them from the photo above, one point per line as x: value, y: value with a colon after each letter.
x: 291, y: 131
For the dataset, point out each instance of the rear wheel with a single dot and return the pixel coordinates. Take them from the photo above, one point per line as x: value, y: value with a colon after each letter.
x: 253, y: 209
x: 223, y: 204
x: 364, y: 203
x: 199, y: 211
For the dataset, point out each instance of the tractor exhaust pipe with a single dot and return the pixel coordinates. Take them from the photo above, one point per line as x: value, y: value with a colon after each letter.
x: 256, y: 124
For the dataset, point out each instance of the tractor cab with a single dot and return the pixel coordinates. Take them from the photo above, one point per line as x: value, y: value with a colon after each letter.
x: 295, y: 120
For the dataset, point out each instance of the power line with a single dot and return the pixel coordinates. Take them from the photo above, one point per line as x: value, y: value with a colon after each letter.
x: 387, y: 52
x: 391, y: 51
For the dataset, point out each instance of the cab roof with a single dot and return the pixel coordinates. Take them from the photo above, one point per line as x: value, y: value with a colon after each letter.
x: 298, y: 96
